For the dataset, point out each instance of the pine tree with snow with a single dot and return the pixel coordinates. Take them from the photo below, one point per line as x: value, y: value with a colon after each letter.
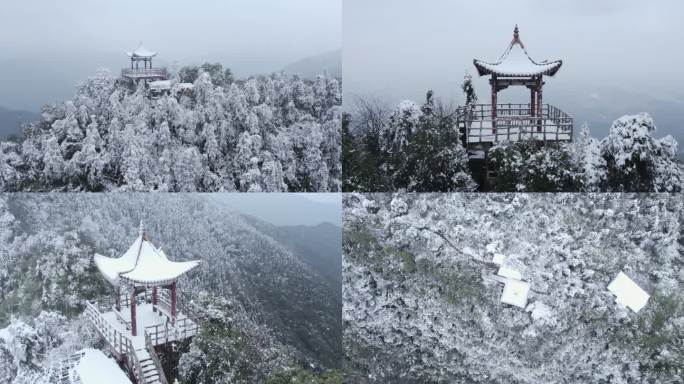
x: 469, y: 89
x: 638, y: 162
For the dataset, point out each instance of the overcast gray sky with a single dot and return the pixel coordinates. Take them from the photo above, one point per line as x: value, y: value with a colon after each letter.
x: 251, y: 36
x: 619, y: 56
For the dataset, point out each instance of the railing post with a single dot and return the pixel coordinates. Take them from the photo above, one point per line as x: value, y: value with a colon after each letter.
x: 154, y: 299
x: 134, y: 325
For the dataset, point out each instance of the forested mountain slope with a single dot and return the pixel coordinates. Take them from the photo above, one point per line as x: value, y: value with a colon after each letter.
x: 266, y: 133
x: 264, y: 310
x: 421, y: 304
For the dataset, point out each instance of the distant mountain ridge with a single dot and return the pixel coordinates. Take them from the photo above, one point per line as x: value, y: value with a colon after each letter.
x: 11, y: 121
x: 310, y: 67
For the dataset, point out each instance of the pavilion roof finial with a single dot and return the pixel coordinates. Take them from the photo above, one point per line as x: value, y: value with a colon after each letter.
x: 516, y: 37
x: 141, y: 229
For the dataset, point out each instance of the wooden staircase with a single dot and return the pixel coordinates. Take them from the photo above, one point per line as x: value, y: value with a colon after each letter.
x: 142, y: 363
x: 148, y: 374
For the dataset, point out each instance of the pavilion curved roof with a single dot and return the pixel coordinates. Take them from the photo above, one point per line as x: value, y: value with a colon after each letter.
x: 516, y: 62
x: 142, y: 265
x: 141, y: 52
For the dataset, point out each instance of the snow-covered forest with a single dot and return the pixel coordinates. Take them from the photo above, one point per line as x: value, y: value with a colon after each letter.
x: 416, y: 148
x: 267, y: 312
x: 208, y: 132
x: 421, y: 304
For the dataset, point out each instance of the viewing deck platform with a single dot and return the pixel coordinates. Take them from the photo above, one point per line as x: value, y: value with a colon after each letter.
x: 145, y: 73
x: 138, y: 353
x: 512, y: 123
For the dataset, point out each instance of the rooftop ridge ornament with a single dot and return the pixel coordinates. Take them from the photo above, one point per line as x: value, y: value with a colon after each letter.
x: 516, y: 38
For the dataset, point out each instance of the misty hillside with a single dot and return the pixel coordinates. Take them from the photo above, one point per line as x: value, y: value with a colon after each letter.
x: 11, y: 121
x: 316, y: 245
x: 282, y: 209
x: 310, y: 67
x: 250, y: 287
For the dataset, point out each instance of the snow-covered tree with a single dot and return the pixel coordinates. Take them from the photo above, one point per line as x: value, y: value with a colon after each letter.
x: 469, y: 89
x: 113, y: 135
x: 638, y: 162
x: 422, y: 296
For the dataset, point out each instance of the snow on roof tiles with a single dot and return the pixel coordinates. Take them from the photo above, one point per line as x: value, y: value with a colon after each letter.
x: 515, y: 61
x: 141, y: 52
x: 515, y: 293
x: 628, y: 293
x: 509, y: 272
x: 160, y: 85
x: 94, y: 366
x: 499, y: 259
x: 142, y: 264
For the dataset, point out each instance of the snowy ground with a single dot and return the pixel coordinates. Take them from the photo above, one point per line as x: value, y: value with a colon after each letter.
x: 481, y: 132
x: 422, y: 302
x: 94, y: 366
x: 145, y: 318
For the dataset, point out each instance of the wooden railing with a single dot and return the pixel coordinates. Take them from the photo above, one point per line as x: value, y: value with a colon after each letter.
x: 118, y: 343
x: 513, y: 122
x: 139, y: 73
x: 164, y: 333
x: 155, y: 358
x: 116, y: 340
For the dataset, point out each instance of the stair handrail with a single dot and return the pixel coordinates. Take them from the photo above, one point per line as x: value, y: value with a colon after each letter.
x: 155, y: 358
x: 119, y: 343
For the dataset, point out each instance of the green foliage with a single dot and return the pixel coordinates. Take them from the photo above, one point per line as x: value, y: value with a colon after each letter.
x: 216, y: 351
x: 300, y: 375
x: 526, y: 166
x: 360, y: 161
x: 188, y: 74
x: 409, y: 260
x: 219, y: 76
x: 658, y: 335
x: 406, y: 153
x: 357, y: 234
x: 461, y: 286
x: 435, y: 160
x: 468, y: 89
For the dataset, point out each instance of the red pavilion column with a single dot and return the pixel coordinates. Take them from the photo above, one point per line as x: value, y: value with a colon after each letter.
x: 533, y: 100
x: 134, y: 325
x: 540, y: 106
x: 154, y: 299
x: 494, y: 104
x: 173, y: 302
x: 117, y: 302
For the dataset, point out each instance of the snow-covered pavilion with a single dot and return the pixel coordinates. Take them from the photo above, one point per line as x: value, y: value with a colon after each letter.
x: 146, y: 311
x: 142, y: 57
x: 495, y: 122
